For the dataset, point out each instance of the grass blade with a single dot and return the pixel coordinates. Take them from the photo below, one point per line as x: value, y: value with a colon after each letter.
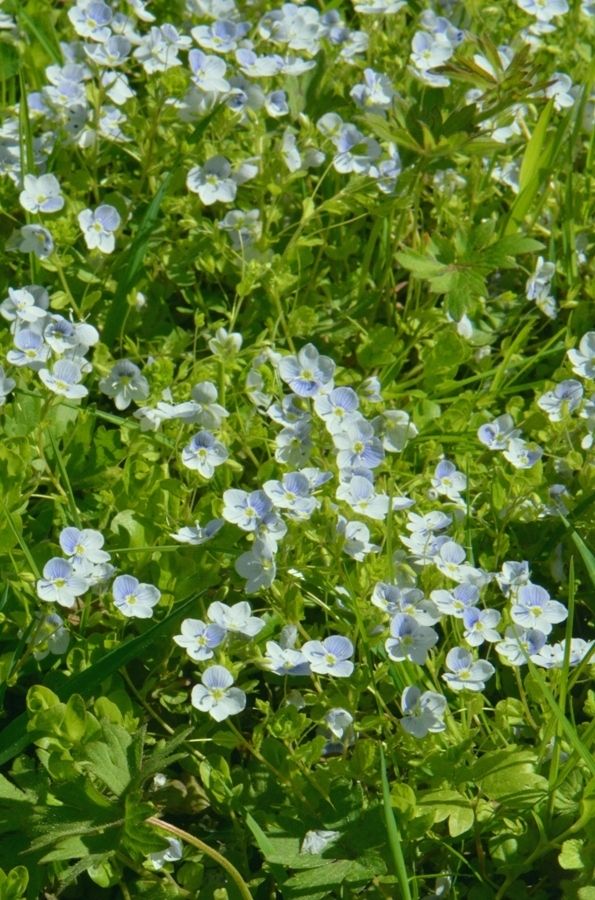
x: 394, y: 839
x: 117, y: 312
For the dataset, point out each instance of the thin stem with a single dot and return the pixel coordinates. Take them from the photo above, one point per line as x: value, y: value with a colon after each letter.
x: 208, y: 851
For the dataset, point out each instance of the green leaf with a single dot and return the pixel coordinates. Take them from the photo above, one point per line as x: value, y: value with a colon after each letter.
x: 421, y: 264
x: 508, y: 774
x: 109, y: 758
x: 570, y: 855
x: 14, y: 738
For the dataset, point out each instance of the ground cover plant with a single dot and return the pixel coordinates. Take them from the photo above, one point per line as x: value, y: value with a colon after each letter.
x: 297, y: 416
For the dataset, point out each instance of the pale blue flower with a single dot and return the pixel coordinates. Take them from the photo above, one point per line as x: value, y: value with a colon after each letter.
x: 51, y: 636
x: 481, y: 625
x: 124, y: 383
x: 30, y: 350
x: 375, y: 94
x: 293, y: 445
x: 246, y: 510
x: 356, y: 539
x: 496, y: 435
x: 41, y: 194
x: 409, y: 640
x: 512, y: 575
x: 359, y: 493
x: 465, y: 674
x: 60, y: 584
x: 91, y: 19
x: 285, y: 660
x: 422, y: 713
x: 258, y: 566
x: 196, y: 535
x: 543, y: 10
x: 357, y: 446
x: 518, y: 644
x: 98, y: 227
x: 172, y: 853
x: 355, y: 152
x: 216, y: 695
x: 562, y: 400
x: 32, y: 239
x: 455, y: 602
x: 583, y: 359
x: 448, y: 481
x: 292, y: 494
x: 133, y: 599
x: 237, y: 619
x: 521, y: 454
x: 64, y: 379
x: 6, y: 386
x: 332, y: 656
x: 28, y: 304
x: 199, y: 639
x: 533, y: 609
x: 204, y: 453
x: 308, y: 372
x: 83, y: 545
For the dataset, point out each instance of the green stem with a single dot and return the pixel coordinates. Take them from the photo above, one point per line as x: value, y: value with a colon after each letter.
x: 208, y: 851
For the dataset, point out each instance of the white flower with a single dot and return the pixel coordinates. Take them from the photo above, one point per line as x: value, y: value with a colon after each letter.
x: 237, y: 619
x: 199, y: 639
x: 133, y: 599
x: 64, y: 379
x: 41, y: 194
x: 172, y: 853
x: 98, y: 227
x: 583, y: 359
x: 465, y: 674
x: 59, y: 583
x: 216, y: 695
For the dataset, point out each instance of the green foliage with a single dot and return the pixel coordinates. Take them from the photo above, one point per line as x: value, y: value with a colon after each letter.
x: 426, y: 287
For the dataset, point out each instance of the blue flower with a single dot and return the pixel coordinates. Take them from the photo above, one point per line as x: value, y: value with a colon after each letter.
x: 204, y: 453
x: 60, y: 584
x: 409, y: 640
x: 307, y: 372
x: 216, y: 695
x: 330, y: 656
x: 199, y: 639
x: 465, y: 674
x: 98, y: 227
x: 247, y: 511
x: 133, y: 599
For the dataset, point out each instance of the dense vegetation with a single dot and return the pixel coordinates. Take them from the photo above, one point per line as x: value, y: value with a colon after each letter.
x: 297, y: 418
